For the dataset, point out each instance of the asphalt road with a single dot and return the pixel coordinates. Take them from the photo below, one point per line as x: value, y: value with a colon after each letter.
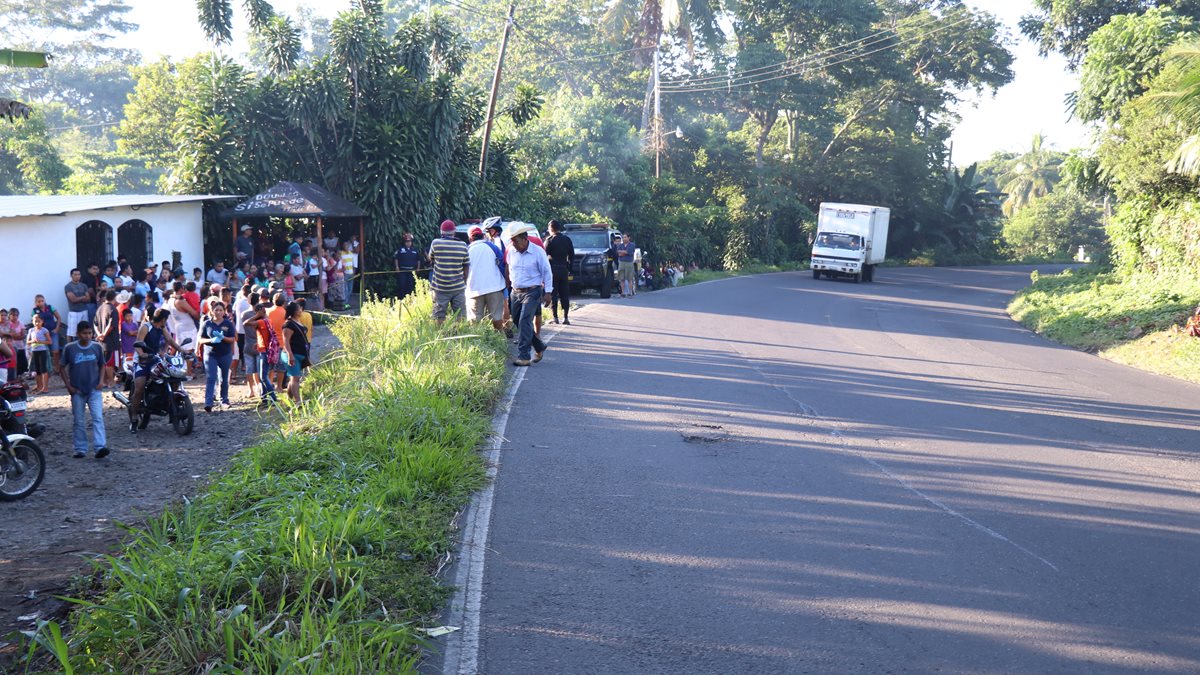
x: 781, y: 475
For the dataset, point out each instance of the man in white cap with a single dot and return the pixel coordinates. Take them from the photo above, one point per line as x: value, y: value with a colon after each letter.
x: 243, y: 246
x: 532, y: 286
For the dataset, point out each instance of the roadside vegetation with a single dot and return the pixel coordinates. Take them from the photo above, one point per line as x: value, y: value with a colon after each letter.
x: 1133, y: 320
x: 316, y: 551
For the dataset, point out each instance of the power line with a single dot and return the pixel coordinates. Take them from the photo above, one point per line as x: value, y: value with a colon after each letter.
x: 597, y: 56
x: 466, y: 7
x: 868, y: 40
x: 792, y: 71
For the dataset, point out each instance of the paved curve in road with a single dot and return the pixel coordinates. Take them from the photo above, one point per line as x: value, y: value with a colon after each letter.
x: 781, y: 475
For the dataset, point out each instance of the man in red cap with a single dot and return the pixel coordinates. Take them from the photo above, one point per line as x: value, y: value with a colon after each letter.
x: 448, y: 276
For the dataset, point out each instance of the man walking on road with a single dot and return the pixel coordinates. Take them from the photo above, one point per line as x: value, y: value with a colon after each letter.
x: 532, y: 286
x: 408, y: 260
x: 626, y: 268
x: 485, y: 282
x: 561, y: 251
x: 448, y: 258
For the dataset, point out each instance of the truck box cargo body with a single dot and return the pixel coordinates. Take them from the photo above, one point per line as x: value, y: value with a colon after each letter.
x: 851, y: 240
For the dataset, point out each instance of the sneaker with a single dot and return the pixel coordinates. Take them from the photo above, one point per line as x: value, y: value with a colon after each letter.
x: 520, y: 362
x: 133, y: 427
x: 537, y: 356
x: 101, y: 453
x: 208, y: 408
x: 80, y: 454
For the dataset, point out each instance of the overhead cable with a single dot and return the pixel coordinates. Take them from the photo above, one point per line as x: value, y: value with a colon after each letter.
x: 867, y: 41
x: 791, y: 71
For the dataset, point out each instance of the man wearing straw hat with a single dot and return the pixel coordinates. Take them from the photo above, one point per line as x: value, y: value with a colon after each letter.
x: 532, y: 285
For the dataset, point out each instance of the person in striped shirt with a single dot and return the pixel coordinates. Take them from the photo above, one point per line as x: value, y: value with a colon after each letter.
x: 448, y: 276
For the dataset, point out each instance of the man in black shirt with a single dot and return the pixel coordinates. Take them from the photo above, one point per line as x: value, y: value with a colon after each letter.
x: 408, y: 261
x: 561, y: 251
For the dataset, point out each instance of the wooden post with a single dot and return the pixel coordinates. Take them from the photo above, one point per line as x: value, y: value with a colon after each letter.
x: 362, y: 262
x: 487, y: 123
x: 320, y: 299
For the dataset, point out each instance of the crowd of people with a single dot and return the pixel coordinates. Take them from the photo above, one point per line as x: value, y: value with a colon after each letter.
x: 246, y: 323
x: 251, y: 322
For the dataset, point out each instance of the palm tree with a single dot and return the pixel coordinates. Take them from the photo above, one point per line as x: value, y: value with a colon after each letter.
x: 1183, y: 104
x: 650, y: 20
x: 1033, y: 176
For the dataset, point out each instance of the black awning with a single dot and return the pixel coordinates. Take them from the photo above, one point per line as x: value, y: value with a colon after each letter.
x: 296, y: 200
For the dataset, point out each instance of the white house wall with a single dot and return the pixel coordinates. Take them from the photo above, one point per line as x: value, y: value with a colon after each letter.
x: 40, y: 250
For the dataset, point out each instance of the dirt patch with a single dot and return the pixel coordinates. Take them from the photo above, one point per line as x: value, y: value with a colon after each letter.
x: 50, y: 536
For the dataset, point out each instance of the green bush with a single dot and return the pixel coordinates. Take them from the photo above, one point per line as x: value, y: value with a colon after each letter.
x: 315, y: 551
x: 1094, y: 309
x: 1055, y: 226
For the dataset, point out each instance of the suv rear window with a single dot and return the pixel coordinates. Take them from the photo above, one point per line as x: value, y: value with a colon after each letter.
x: 588, y: 238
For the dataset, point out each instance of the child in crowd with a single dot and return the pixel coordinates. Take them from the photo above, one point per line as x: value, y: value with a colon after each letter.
x: 39, y: 350
x: 129, y: 331
x: 16, y: 328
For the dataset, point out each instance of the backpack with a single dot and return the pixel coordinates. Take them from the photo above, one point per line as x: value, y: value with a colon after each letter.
x: 273, y: 349
x: 499, y: 255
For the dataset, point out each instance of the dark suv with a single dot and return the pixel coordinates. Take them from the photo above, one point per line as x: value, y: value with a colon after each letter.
x: 594, y: 266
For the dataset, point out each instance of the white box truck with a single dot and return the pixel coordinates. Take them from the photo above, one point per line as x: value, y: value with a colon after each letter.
x: 851, y: 240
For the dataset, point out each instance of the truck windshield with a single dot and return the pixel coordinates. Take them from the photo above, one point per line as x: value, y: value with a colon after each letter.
x: 595, y: 239
x: 849, y: 242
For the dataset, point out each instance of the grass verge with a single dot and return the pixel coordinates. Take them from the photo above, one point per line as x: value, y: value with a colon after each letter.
x: 315, y: 552
x: 700, y: 276
x: 1130, y: 320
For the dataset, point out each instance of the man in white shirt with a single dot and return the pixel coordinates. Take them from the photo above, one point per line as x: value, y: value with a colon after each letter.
x: 218, y: 274
x: 485, y: 282
x: 532, y: 284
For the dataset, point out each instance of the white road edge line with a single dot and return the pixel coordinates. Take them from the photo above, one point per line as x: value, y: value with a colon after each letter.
x: 461, y: 655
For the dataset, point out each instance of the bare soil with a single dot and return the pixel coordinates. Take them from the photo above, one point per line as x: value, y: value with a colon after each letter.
x: 51, y: 536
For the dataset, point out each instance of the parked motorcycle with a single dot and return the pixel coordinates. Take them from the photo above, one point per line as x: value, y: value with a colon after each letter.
x: 12, y: 414
x: 22, y: 463
x: 165, y: 395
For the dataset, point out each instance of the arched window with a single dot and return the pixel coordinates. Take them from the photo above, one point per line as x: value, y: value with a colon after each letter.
x: 93, y: 244
x: 135, y: 241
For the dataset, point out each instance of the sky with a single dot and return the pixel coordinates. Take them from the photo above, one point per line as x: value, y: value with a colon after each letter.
x: 1032, y: 103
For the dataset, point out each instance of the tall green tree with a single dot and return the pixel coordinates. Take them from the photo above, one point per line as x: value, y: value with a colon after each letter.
x: 1122, y: 58
x: 1033, y: 175
x: 1065, y: 26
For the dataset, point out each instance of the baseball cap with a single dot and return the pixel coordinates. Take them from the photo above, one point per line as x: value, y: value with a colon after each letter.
x: 475, y: 231
x: 447, y: 226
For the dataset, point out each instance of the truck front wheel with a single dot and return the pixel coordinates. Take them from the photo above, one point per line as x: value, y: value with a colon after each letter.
x: 858, y: 277
x: 816, y: 274
x: 606, y: 283
x: 868, y: 273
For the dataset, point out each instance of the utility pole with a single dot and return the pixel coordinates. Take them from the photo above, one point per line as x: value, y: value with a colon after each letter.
x: 487, y: 127
x: 658, y: 137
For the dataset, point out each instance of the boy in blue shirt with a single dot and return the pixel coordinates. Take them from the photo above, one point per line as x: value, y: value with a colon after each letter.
x: 81, y: 365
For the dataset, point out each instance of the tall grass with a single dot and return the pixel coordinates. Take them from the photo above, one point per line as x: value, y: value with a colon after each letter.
x: 314, y: 553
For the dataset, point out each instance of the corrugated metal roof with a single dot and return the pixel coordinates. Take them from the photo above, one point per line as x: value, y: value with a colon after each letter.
x: 12, y: 207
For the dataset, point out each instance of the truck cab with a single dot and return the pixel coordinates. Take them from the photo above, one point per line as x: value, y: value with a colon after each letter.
x: 851, y: 241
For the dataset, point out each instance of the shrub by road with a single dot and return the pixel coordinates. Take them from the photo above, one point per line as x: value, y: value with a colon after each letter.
x: 316, y: 551
x: 1133, y: 320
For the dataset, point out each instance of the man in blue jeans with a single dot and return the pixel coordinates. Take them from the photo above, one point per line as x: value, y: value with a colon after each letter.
x: 532, y: 286
x: 80, y: 367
